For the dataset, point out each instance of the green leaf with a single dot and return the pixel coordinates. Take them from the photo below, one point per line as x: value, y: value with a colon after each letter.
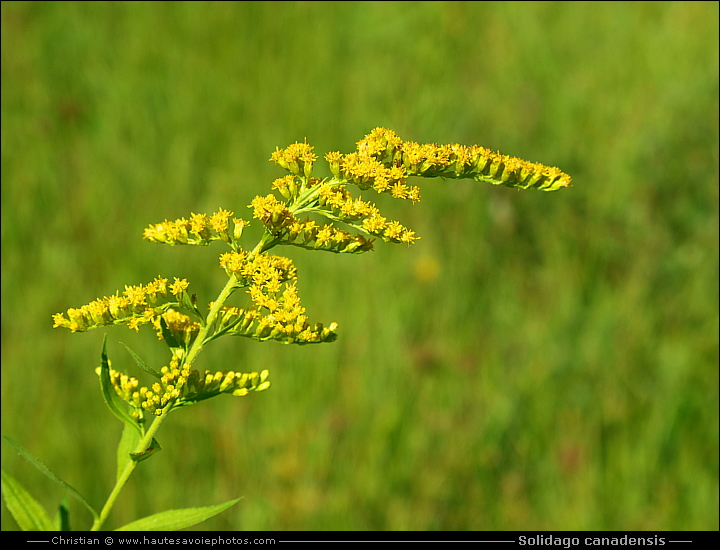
x: 168, y: 336
x: 142, y: 364
x: 62, y: 520
x: 147, y: 453
x: 27, y: 511
x: 190, y: 303
x: 44, y: 469
x: 172, y: 520
x: 128, y: 443
x: 116, y: 405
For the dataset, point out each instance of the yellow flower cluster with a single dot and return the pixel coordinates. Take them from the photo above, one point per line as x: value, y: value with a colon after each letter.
x: 200, y: 229
x: 297, y: 158
x: 271, y: 212
x: 128, y: 388
x: 182, y: 328
x: 260, y: 269
x: 291, y: 186
x: 180, y: 386
x: 288, y: 229
x: 451, y: 161
x: 363, y: 215
x: 137, y: 306
x: 156, y: 397
x: 366, y: 171
x: 285, y: 320
x: 235, y: 383
x: 308, y: 234
x: 288, y: 186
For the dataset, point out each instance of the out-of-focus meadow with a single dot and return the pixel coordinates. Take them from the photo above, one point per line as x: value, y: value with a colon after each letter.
x: 535, y: 361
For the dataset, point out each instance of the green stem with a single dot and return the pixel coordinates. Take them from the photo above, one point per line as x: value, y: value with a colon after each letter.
x: 129, y: 467
x: 146, y: 441
x: 210, y: 321
x: 265, y: 243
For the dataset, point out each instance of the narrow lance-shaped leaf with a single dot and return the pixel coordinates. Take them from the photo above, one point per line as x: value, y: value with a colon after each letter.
x: 172, y: 520
x: 142, y: 364
x: 44, y: 469
x: 190, y: 303
x: 168, y: 336
x: 27, y: 511
x: 116, y: 405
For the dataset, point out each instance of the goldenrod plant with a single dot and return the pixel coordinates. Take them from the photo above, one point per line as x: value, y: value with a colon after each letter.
x: 309, y: 213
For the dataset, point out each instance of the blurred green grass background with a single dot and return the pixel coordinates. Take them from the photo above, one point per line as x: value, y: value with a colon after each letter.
x: 536, y: 361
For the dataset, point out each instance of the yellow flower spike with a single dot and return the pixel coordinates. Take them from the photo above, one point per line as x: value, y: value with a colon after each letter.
x: 198, y: 230
x: 382, y: 161
x: 404, y: 158
x: 139, y: 305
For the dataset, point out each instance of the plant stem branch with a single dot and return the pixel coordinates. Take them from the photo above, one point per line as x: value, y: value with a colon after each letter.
x: 146, y: 441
